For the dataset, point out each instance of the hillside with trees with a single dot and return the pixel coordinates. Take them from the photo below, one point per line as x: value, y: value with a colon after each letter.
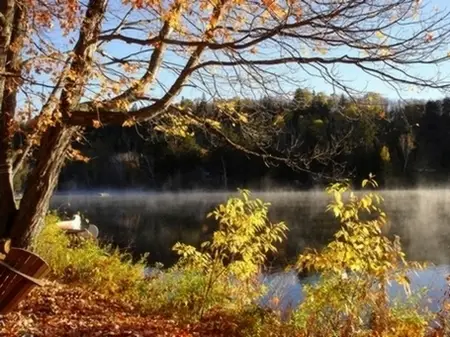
x: 405, y: 144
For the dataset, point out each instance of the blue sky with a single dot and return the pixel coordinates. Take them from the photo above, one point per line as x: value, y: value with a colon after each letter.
x: 356, y: 78
x: 366, y: 82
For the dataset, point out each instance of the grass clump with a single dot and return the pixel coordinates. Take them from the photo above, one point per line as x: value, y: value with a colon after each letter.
x: 98, y: 267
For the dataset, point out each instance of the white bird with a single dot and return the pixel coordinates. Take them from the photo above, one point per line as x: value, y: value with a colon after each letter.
x: 74, y: 224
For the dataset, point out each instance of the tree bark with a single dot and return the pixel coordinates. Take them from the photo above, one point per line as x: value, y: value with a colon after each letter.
x: 41, y: 184
x: 6, y: 25
x: 7, y: 206
x: 56, y: 139
x: 13, y: 15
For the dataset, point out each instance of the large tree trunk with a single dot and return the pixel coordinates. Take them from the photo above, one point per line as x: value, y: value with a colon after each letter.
x: 56, y: 139
x: 12, y: 29
x: 6, y: 25
x: 41, y: 183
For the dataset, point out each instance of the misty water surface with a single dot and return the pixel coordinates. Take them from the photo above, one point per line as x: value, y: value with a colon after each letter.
x: 154, y: 222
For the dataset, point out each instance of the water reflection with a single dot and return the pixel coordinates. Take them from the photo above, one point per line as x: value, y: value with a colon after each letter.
x: 154, y: 222
x: 288, y: 289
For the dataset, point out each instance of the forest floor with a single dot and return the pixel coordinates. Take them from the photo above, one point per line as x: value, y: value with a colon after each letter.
x: 60, y: 310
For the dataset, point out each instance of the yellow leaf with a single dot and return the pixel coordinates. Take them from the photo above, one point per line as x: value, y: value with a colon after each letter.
x: 379, y: 34
x: 96, y: 123
x: 243, y: 118
x: 321, y: 50
x: 129, y: 122
x: 279, y: 120
x: 116, y: 88
x: 385, y: 51
x: 384, y: 154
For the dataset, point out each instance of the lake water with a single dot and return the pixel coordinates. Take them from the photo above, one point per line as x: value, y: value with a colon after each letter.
x: 154, y: 222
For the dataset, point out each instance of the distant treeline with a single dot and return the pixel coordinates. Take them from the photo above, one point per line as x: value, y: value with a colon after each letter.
x: 403, y: 144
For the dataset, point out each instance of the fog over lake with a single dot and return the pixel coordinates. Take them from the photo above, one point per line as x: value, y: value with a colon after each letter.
x: 154, y: 222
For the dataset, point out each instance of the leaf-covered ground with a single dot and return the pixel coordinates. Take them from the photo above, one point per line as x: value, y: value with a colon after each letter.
x: 59, y: 310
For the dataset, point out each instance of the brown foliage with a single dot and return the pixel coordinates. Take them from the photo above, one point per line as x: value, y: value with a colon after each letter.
x: 58, y: 310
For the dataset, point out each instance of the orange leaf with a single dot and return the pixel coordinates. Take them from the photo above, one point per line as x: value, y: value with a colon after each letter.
x: 96, y: 123
x: 129, y: 122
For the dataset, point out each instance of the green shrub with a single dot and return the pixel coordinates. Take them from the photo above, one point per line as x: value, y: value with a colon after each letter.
x: 224, y: 274
x: 226, y: 271
x: 351, y: 296
x: 98, y: 267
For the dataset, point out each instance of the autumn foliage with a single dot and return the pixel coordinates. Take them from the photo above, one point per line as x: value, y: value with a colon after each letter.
x: 66, y: 65
x: 58, y: 310
x: 214, y: 290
